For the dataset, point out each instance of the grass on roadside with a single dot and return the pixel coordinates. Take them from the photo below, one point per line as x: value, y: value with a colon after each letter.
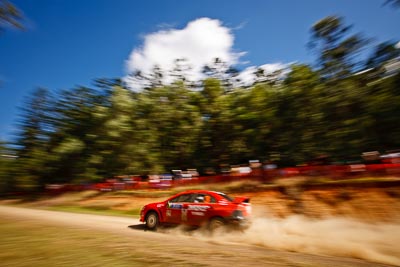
x: 24, y: 244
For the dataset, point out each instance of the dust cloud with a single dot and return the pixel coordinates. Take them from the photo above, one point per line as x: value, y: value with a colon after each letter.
x: 329, y: 236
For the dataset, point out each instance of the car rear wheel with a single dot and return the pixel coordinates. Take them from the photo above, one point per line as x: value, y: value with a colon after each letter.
x: 152, y: 220
x: 215, y: 224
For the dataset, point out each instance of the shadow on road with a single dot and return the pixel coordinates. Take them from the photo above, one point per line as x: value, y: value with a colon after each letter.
x: 162, y: 228
x: 141, y: 227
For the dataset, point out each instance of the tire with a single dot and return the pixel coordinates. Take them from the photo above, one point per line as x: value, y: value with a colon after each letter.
x: 216, y: 224
x: 152, y: 220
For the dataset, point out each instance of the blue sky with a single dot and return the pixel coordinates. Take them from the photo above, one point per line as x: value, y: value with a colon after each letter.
x: 70, y: 42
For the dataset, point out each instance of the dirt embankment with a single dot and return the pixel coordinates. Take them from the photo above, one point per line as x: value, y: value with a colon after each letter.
x: 369, y: 204
x: 366, y: 204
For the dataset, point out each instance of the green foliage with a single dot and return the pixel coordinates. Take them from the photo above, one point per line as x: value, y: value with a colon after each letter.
x: 335, y: 47
x: 33, y: 141
x: 7, y: 161
x: 168, y: 124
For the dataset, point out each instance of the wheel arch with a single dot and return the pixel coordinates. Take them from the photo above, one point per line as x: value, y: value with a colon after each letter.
x: 150, y: 211
x: 212, y: 220
x: 158, y: 212
x: 216, y: 217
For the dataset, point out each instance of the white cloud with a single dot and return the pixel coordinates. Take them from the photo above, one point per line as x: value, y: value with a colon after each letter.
x: 397, y: 45
x: 199, y: 43
x: 248, y: 76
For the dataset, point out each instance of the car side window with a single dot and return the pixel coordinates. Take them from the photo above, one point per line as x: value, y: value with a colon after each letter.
x: 204, y: 198
x: 182, y: 198
x: 174, y: 200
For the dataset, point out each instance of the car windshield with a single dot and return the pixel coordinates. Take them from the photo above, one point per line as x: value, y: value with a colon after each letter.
x: 226, y: 197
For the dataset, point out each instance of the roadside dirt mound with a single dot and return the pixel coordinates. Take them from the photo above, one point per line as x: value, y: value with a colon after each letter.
x: 364, y: 204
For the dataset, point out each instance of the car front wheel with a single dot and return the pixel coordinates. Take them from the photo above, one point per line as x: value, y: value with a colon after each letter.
x: 152, y: 220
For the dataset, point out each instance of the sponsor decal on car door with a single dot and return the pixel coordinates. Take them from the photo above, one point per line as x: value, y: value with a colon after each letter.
x: 174, y: 212
x: 198, y: 212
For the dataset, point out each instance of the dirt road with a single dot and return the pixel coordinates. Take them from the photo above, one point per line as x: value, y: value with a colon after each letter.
x: 225, y: 249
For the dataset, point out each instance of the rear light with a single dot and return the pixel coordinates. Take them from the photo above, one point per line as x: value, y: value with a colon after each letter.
x: 246, y: 207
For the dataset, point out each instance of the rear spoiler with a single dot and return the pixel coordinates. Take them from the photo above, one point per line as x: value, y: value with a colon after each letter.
x: 239, y: 200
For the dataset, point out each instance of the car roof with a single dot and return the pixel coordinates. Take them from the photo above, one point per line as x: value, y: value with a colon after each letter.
x: 215, y: 194
x: 201, y: 191
x: 198, y: 191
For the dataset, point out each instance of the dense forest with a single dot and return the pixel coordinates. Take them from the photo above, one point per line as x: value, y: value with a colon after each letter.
x: 340, y: 106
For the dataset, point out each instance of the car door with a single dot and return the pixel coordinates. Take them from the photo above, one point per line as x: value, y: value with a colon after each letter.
x: 176, y: 211
x: 199, y: 211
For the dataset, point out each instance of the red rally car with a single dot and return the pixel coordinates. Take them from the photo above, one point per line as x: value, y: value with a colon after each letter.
x: 197, y: 208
